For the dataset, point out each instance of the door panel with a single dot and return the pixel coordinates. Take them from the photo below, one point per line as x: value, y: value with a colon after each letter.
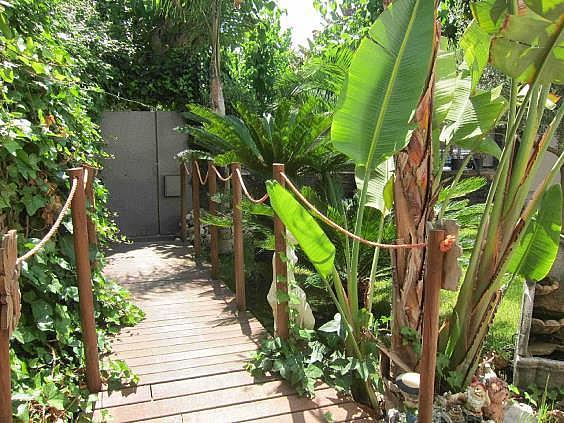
x: 132, y: 176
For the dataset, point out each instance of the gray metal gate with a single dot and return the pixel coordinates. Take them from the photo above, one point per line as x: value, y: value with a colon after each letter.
x: 142, y: 176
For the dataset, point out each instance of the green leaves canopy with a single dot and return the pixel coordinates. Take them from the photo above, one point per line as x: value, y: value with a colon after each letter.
x: 315, y: 244
x: 385, y: 81
x: 534, y: 256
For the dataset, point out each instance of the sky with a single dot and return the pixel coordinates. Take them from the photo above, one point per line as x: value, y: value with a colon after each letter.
x: 302, y: 18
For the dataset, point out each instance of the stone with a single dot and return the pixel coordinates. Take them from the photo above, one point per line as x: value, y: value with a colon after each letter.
x: 519, y: 412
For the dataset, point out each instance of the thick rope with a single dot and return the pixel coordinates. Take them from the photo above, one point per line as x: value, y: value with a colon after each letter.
x: 260, y: 200
x: 204, y: 180
x: 342, y: 230
x: 86, y: 176
x: 53, y: 229
x: 221, y: 178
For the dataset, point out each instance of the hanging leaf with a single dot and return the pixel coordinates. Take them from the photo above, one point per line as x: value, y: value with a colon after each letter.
x: 311, y: 238
x: 446, y: 79
x: 376, y: 184
x: 535, y: 255
x: 386, y: 78
x: 473, y: 118
x: 476, y: 45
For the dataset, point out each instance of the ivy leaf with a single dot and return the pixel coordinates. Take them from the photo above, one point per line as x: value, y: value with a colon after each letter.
x: 43, y: 314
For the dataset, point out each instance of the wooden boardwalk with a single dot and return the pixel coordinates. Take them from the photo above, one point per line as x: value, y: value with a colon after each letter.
x: 190, y: 351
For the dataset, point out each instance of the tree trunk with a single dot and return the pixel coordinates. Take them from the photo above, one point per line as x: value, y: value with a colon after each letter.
x: 216, y: 89
x: 414, y: 201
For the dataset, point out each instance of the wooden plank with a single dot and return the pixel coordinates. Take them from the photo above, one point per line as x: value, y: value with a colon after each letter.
x: 186, y: 320
x: 151, y: 352
x: 226, y: 337
x: 211, y: 323
x: 129, y: 395
x: 205, y: 384
x: 188, y: 312
x: 215, y: 400
x: 346, y: 412
x: 194, y: 362
x: 169, y: 419
x: 213, y: 333
x: 192, y: 372
x: 272, y: 405
x: 188, y: 355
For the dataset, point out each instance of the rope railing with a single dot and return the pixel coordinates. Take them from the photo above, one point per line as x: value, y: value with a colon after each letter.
x: 246, y: 191
x: 339, y: 228
x: 53, y: 229
x: 220, y: 176
x: 203, y: 181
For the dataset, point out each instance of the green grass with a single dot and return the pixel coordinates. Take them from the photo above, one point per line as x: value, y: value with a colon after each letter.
x: 501, y: 337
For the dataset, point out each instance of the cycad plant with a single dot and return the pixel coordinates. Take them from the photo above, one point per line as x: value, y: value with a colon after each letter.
x: 295, y: 136
x: 524, y: 40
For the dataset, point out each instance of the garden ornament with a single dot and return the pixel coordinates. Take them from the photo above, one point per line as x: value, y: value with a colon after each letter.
x: 498, y: 393
x: 408, y: 384
x: 472, y: 401
x: 305, y: 319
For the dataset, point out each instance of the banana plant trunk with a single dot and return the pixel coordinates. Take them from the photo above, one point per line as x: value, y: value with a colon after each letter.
x: 216, y: 89
x: 414, y: 201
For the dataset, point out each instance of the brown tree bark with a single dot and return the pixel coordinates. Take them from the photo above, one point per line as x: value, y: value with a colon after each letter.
x: 414, y: 201
x: 216, y: 89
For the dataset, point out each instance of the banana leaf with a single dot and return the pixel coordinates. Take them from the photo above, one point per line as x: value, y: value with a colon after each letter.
x: 316, y: 245
x: 534, y: 256
x: 387, y: 76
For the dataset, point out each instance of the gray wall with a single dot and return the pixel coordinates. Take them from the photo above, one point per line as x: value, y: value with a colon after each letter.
x: 143, y: 145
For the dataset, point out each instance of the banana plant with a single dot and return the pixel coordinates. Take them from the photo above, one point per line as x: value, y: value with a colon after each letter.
x: 388, y: 74
x: 463, y: 116
x: 524, y: 40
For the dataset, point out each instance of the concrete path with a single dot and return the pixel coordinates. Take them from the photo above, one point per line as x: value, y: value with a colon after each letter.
x: 190, y: 351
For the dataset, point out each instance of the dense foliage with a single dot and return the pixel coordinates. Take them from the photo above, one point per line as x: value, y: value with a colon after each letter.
x: 46, y: 126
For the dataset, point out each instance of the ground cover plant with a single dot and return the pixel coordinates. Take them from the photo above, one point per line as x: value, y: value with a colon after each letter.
x: 46, y: 126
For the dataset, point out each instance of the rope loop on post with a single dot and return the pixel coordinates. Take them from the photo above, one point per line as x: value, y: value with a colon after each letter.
x: 53, y: 229
x: 203, y: 181
x: 221, y: 178
x: 342, y: 230
x: 256, y: 201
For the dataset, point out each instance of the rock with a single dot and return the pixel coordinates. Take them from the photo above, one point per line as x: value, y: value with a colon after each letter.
x: 546, y: 287
x: 545, y: 327
x: 519, y: 412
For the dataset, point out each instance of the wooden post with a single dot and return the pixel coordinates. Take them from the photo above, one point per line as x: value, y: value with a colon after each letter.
x: 5, y: 378
x: 196, y: 208
x: 431, y: 293
x: 91, y: 209
x: 183, y: 203
x: 86, y: 299
x: 281, y: 264
x: 9, y: 315
x: 238, y: 254
x: 214, y: 248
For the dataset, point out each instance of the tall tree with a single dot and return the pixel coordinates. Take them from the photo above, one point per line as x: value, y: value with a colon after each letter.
x: 216, y: 88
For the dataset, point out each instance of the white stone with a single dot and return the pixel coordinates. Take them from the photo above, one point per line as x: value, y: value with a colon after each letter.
x: 519, y: 413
